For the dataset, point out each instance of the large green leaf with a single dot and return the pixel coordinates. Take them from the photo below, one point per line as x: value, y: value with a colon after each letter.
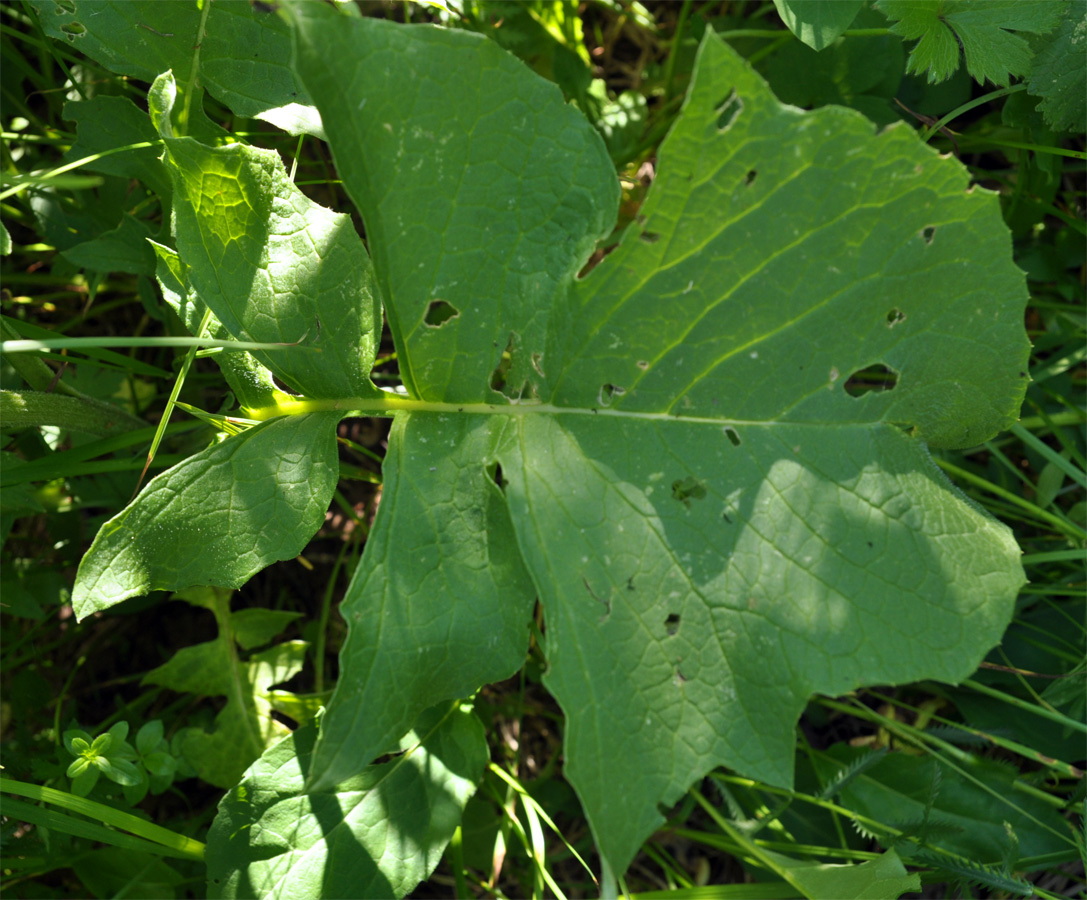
x: 441, y: 561
x: 219, y: 517
x: 275, y: 267
x: 716, y: 526
x: 376, y: 835
x: 696, y: 594
x: 142, y: 38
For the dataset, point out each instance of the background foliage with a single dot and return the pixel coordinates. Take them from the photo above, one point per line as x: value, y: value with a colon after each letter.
x: 924, y: 772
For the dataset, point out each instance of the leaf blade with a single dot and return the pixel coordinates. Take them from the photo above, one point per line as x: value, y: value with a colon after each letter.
x: 713, y: 288
x: 489, y: 220
x: 272, y: 264
x: 686, y: 633
x: 818, y: 24
x: 376, y: 836
x: 269, y: 489
x: 671, y: 414
x: 440, y: 602
x: 142, y: 38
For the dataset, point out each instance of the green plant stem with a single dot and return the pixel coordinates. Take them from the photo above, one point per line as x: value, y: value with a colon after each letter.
x: 1035, y: 511
x: 388, y: 403
x: 761, y: 890
x: 165, y: 420
x: 985, y: 142
x: 1068, y: 444
x: 25, y: 474
x: 73, y: 669
x: 37, y: 179
x: 1063, y: 721
x: 770, y: 48
x: 1058, y: 367
x: 677, y: 39
x: 294, y: 161
x: 322, y: 623
x: 528, y: 801
x: 828, y: 805
x: 954, y: 758
x: 34, y: 371
x: 609, y: 888
x: 24, y: 346
x: 1069, y: 468
x: 1033, y: 559
x: 194, y: 71
x: 32, y: 409
x: 748, y: 847
x: 189, y: 847
x: 672, y: 870
x: 456, y: 863
x: 966, y: 107
x: 1047, y: 761
x: 64, y: 824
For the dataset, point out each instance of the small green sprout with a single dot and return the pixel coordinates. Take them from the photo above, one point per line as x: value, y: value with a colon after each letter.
x: 149, y: 766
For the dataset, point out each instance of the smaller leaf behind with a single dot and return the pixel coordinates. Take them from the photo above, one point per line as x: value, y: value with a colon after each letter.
x: 1059, y: 72
x: 244, y: 728
x: 984, y: 29
x: 250, y: 381
x: 106, y: 123
x: 219, y: 517
x: 121, y: 249
x: 883, y: 878
x: 141, y: 38
x: 377, y: 835
x: 816, y: 22
x: 899, y: 787
x: 273, y: 265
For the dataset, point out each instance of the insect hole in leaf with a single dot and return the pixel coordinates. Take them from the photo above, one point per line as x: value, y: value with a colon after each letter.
x: 874, y: 378
x: 439, y: 312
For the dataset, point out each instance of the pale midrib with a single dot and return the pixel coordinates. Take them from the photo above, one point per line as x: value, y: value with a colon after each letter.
x: 392, y: 404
